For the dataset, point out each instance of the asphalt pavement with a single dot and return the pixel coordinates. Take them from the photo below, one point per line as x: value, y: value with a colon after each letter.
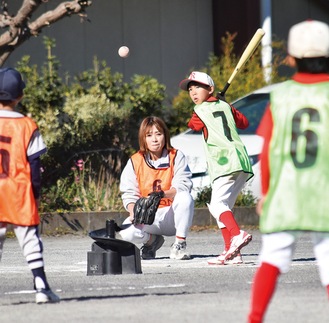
x: 166, y: 290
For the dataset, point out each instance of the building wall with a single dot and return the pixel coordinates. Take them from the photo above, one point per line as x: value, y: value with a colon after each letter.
x: 289, y: 12
x: 167, y: 38
x: 235, y: 16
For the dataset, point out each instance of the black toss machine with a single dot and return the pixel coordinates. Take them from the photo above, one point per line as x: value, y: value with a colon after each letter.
x: 109, y: 255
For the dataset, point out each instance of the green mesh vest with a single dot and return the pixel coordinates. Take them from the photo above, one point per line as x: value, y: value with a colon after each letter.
x: 224, y: 149
x: 298, y: 194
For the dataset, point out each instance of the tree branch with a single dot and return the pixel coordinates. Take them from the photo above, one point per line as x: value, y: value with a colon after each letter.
x: 21, y: 29
x: 64, y: 9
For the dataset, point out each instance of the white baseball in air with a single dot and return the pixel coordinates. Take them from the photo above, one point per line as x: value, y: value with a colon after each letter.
x: 123, y: 51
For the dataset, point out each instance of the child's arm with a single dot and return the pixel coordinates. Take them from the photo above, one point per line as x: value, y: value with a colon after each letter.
x: 35, y: 165
x: 195, y: 123
x: 35, y: 149
x: 239, y: 118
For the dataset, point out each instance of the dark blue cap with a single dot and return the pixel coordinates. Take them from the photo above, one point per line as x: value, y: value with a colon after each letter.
x: 11, y: 84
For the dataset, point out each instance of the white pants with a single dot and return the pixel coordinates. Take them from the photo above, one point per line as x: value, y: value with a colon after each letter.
x: 29, y: 241
x: 278, y: 249
x: 169, y: 221
x: 224, y: 192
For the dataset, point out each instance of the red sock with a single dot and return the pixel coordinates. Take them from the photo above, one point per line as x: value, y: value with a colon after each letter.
x: 228, y: 219
x: 227, y: 238
x: 328, y: 290
x: 262, y: 291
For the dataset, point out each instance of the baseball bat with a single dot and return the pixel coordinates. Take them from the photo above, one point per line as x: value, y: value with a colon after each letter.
x: 253, y: 44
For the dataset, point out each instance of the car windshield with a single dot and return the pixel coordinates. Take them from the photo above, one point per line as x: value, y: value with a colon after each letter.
x: 253, y: 107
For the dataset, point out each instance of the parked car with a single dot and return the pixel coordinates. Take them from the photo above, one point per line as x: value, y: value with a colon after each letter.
x: 190, y: 142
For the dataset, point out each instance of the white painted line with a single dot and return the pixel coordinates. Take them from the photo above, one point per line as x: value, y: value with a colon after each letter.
x: 165, y: 286
x: 20, y: 292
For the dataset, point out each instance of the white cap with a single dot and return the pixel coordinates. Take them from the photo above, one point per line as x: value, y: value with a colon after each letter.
x: 309, y: 39
x: 199, y: 77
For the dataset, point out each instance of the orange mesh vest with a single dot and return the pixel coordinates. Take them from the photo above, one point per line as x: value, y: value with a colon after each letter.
x: 17, y: 203
x: 151, y: 179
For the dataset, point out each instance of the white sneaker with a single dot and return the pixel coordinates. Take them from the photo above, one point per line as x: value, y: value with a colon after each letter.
x: 178, y: 251
x: 237, y: 243
x: 46, y: 296
x: 220, y: 260
x: 237, y: 260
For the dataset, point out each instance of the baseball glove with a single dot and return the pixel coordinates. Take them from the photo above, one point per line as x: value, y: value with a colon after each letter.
x: 146, y: 207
